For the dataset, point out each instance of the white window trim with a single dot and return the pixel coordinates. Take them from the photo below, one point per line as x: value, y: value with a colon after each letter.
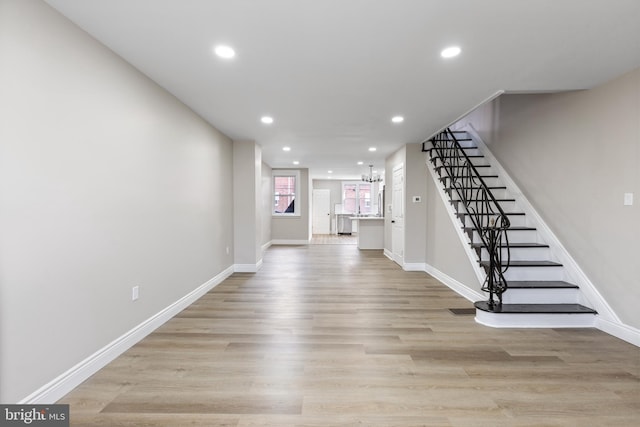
x: 296, y: 206
x: 357, y: 184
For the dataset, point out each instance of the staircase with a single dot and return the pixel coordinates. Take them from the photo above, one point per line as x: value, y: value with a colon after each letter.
x: 526, y: 287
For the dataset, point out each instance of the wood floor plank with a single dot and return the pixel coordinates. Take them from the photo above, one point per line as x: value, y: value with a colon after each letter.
x: 327, y: 335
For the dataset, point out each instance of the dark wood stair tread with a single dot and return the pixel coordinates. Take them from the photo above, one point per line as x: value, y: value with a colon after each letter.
x: 526, y: 264
x: 535, y: 308
x: 487, y: 213
x: 540, y: 284
x: 467, y: 229
x: 480, y: 200
x: 481, y: 176
x: 512, y: 245
x: 470, y: 188
x: 474, y: 156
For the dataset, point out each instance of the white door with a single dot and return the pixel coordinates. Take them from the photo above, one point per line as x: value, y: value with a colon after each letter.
x: 397, y: 215
x: 321, y: 212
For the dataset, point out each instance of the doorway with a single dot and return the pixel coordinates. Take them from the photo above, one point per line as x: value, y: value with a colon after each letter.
x: 397, y: 215
x: 321, y: 213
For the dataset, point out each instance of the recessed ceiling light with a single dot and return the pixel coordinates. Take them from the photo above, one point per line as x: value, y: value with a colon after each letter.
x: 286, y: 148
x: 295, y: 162
x: 329, y: 171
x: 224, y: 51
x: 450, y: 52
x: 397, y: 119
x: 267, y: 120
x: 361, y: 163
x: 372, y: 148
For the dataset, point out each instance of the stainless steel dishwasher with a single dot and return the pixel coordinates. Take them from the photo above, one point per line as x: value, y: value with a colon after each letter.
x: 344, y: 223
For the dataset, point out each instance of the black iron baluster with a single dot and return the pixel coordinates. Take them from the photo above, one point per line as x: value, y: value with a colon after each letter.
x: 481, y: 207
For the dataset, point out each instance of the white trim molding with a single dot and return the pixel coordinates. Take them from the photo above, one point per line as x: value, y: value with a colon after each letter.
x: 456, y: 286
x: 67, y: 381
x: 289, y: 242
x: 247, y: 268
x: 414, y: 266
x: 266, y: 246
x: 619, y: 330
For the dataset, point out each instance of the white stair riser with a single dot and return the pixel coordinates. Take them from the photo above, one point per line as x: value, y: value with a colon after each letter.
x: 515, y: 236
x: 497, y: 193
x: 506, y: 207
x: 482, y: 170
x: 473, y: 152
x: 474, y: 160
x: 508, y: 320
x: 541, y: 296
x: 514, y: 220
x: 487, y: 175
x: 461, y: 136
x: 534, y: 273
x: 521, y: 254
x: 479, y: 160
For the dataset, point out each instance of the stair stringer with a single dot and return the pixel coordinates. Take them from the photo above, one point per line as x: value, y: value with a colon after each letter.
x: 464, y: 291
x: 574, y: 274
x: 606, y: 319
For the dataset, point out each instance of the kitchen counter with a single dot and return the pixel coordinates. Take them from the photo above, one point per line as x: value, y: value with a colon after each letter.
x: 370, y: 232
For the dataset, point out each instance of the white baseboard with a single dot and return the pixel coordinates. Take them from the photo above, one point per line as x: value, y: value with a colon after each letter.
x: 456, y: 286
x: 388, y: 254
x: 64, y: 383
x: 289, y: 242
x: 247, y: 268
x: 414, y: 266
x: 266, y: 246
x: 619, y: 330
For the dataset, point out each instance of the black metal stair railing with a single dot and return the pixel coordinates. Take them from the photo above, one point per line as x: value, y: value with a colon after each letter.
x: 488, y: 219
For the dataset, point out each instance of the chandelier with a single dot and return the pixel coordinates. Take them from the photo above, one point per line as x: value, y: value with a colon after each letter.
x: 371, y: 177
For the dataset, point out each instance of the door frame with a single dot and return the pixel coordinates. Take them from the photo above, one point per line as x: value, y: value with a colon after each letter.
x: 398, y: 222
x: 313, y: 209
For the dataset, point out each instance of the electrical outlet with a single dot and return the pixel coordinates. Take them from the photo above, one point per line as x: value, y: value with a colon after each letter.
x: 417, y: 199
x: 628, y: 199
x: 227, y: 250
x: 135, y: 293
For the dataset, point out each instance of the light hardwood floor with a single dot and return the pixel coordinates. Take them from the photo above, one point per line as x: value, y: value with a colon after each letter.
x: 334, y: 239
x: 327, y: 335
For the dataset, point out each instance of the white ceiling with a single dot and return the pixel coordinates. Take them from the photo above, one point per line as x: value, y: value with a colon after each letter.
x: 332, y: 73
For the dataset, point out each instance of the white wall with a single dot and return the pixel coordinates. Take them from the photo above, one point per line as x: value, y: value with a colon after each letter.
x: 416, y: 176
x: 247, y: 205
x: 267, y: 205
x: 106, y: 182
x: 574, y: 155
x: 445, y: 251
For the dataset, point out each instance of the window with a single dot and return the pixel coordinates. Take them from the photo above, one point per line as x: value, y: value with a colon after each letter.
x: 356, y: 198
x: 285, y: 189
